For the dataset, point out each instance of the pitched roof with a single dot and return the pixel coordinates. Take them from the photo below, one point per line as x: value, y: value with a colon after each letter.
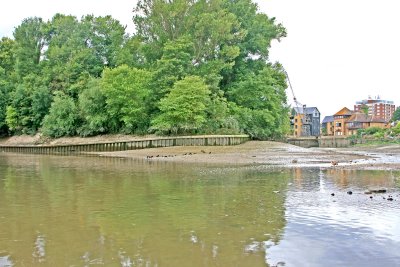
x: 307, y: 110
x: 362, y: 117
x: 359, y: 117
x: 327, y: 119
x: 344, y: 111
x: 377, y: 119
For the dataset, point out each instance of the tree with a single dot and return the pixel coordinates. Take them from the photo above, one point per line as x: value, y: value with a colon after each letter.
x: 7, y: 55
x: 62, y: 119
x: 92, y: 110
x: 127, y: 92
x: 260, y: 103
x: 105, y: 36
x: 365, y: 109
x: 396, y: 115
x: 175, y: 63
x: 226, y: 43
x: 183, y: 110
x: 3, y: 101
x: 29, y: 103
x: 29, y: 46
x: 119, y: 83
x: 69, y: 55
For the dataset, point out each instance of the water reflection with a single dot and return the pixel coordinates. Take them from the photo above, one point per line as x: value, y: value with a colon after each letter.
x: 116, y: 212
x: 39, y: 252
x: 83, y: 211
x: 339, y: 230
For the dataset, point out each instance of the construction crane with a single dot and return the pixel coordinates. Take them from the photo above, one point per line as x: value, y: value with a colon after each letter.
x: 298, y: 104
x: 300, y: 112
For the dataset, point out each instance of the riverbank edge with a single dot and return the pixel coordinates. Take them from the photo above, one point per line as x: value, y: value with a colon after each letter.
x: 264, y: 153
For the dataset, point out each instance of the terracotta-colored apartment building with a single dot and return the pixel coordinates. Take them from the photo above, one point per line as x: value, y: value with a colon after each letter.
x: 347, y: 122
x: 339, y: 121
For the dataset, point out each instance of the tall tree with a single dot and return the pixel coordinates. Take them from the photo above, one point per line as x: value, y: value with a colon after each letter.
x: 30, y: 45
x: 68, y: 55
x: 263, y: 110
x: 3, y: 100
x: 93, y: 110
x: 106, y: 37
x: 29, y: 103
x: 7, y: 55
x: 127, y: 92
x: 183, y: 110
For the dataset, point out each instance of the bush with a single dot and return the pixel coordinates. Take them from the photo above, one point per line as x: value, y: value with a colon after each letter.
x: 396, y: 129
x: 373, y: 130
x: 62, y: 119
x: 92, y: 110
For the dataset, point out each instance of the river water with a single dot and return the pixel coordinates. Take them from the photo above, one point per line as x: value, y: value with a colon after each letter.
x: 94, y: 211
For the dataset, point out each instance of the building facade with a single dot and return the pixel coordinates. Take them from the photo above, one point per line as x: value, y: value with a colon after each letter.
x: 327, y: 126
x: 339, y: 121
x: 306, y: 121
x: 377, y: 107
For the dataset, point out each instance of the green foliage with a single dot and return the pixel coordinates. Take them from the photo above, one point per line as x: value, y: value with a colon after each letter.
x: 3, y: 100
x: 62, y: 119
x: 191, y: 67
x: 261, y: 103
x: 92, y: 109
x: 396, y: 129
x: 396, y: 115
x: 29, y: 103
x: 373, y: 130
x: 29, y: 46
x: 324, y: 131
x: 183, y: 110
x: 127, y: 91
x: 365, y: 109
x: 11, y: 118
x: 7, y: 55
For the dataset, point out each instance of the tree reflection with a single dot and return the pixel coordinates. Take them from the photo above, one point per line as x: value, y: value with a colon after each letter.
x: 97, y: 210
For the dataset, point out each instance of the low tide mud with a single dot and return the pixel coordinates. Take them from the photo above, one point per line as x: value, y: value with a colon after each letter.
x: 275, y: 154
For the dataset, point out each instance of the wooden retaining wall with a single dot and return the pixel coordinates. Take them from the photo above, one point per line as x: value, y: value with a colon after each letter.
x: 212, y: 140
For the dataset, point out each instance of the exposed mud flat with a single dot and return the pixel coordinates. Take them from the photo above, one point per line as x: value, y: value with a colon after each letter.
x: 383, y: 157
x: 274, y: 154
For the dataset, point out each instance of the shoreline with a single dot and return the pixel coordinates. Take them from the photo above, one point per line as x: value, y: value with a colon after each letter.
x: 272, y: 154
x: 265, y: 153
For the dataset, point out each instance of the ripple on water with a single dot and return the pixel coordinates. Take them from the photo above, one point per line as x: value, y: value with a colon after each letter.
x: 339, y: 230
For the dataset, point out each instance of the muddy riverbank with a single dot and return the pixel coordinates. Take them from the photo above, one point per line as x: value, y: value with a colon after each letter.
x: 275, y: 154
x: 254, y: 152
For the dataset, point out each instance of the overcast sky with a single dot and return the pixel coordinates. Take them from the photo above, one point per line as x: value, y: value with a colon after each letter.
x: 337, y: 51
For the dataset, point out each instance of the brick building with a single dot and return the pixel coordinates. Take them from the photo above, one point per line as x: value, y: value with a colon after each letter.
x: 378, y: 108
